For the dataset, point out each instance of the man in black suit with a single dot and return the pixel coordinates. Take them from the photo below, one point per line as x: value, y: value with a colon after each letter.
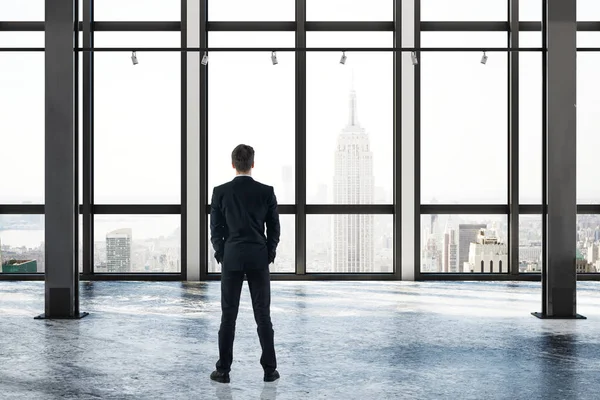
x: 239, y: 211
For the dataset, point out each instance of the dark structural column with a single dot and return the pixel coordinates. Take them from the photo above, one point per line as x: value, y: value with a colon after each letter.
x: 62, y: 278
x: 560, y: 277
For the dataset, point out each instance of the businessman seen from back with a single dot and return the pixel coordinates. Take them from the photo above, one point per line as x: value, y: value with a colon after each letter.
x: 239, y: 211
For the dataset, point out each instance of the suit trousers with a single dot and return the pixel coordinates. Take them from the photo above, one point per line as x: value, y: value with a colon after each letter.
x: 259, y: 282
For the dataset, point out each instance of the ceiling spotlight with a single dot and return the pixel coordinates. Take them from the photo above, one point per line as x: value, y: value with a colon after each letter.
x: 274, y: 58
x: 413, y: 57
x: 134, y: 59
x: 204, y: 59
x: 484, y: 58
x: 344, y: 58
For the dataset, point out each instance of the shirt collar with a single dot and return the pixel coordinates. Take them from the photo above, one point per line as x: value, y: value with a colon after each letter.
x: 239, y: 175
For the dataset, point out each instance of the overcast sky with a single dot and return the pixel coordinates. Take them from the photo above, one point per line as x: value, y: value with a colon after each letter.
x: 137, y: 109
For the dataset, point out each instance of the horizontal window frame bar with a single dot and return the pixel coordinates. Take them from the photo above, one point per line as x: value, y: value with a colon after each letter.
x: 465, y: 209
x: 279, y: 276
x: 335, y: 209
x: 290, y: 26
x: 349, y: 26
x: 306, y: 49
x: 134, y: 26
x: 127, y: 276
x: 478, y: 277
x: 282, y: 209
x: 136, y: 209
x: 531, y: 209
x: 17, y: 209
x: 349, y: 209
x: 293, y: 277
x: 251, y: 26
x: 585, y: 209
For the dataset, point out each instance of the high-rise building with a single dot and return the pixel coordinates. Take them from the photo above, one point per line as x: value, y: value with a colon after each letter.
x: 487, y: 255
x: 118, y: 250
x: 592, y: 253
x: 353, y: 183
x: 467, y: 234
x: 450, y: 253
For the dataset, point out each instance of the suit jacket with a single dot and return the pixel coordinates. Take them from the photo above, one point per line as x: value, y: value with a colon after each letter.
x: 239, y: 211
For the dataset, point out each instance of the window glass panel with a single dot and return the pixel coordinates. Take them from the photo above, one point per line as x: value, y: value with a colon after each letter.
x: 464, y: 39
x: 530, y: 10
x: 80, y: 128
x: 530, y: 128
x: 349, y: 243
x: 588, y: 244
x: 137, y: 132
x: 251, y: 39
x: 349, y: 39
x: 137, y: 39
x: 22, y: 244
x: 588, y: 10
x: 285, y: 262
x: 588, y: 39
x: 23, y: 10
x: 252, y: 102
x: 588, y: 120
x: 464, y: 131
x: 530, y: 39
x: 22, y: 39
x: 464, y: 244
x: 137, y: 10
x: 349, y: 128
x: 80, y: 244
x: 258, y: 10
x: 22, y: 133
x: 137, y: 243
x: 349, y: 10
x: 464, y: 10
x: 530, y: 244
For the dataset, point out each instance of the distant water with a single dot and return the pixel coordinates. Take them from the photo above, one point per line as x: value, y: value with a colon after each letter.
x: 27, y: 238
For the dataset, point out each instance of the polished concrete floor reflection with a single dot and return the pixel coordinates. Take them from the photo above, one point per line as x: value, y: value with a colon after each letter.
x: 335, y: 340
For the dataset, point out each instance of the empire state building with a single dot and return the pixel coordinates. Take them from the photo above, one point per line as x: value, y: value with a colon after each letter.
x: 353, y: 183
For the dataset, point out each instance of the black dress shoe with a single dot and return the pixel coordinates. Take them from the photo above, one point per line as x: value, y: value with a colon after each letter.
x: 271, y: 376
x: 221, y: 377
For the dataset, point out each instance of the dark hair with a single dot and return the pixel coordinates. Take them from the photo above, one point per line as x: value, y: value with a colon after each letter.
x: 242, y: 157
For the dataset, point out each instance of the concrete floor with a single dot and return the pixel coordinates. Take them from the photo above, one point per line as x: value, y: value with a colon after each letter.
x: 335, y: 340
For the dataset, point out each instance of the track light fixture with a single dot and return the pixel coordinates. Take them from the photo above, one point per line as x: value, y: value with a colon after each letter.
x: 204, y: 59
x: 274, y: 58
x: 134, y: 59
x: 484, y: 58
x: 344, y: 58
x: 413, y: 57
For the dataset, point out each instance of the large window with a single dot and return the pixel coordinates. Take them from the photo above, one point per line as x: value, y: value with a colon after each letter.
x: 464, y: 125
x: 22, y: 244
x: 22, y: 130
x: 252, y: 102
x: 137, y: 244
x: 137, y: 128
x: 349, y: 124
x: 285, y: 261
x: 350, y: 243
x: 469, y: 244
x: 327, y: 123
